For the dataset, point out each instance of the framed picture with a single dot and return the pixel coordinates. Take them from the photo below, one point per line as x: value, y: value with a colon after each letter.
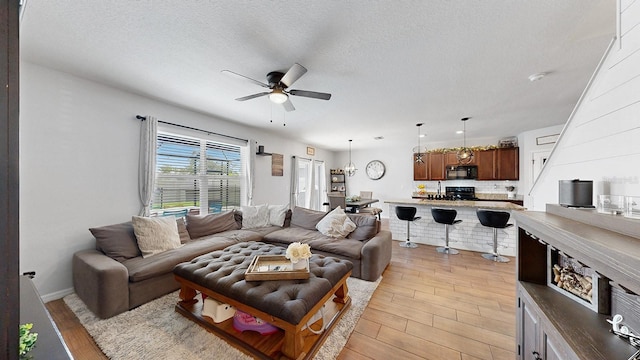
x: 311, y: 151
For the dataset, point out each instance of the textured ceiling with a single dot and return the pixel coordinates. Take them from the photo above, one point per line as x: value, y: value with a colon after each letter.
x: 388, y: 64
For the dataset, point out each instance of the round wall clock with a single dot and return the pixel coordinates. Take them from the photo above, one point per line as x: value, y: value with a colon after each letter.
x: 375, y: 169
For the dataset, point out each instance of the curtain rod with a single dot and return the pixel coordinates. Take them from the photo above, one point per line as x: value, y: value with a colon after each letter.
x: 139, y: 117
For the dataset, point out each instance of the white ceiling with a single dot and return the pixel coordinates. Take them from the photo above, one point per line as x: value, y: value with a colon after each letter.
x: 388, y: 64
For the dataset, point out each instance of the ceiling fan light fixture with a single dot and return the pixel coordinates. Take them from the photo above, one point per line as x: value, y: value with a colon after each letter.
x: 350, y: 168
x: 278, y: 96
x: 464, y: 155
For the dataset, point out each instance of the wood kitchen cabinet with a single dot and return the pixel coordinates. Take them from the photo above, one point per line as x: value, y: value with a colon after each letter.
x: 451, y: 158
x: 498, y: 164
x: 555, y: 324
x: 431, y: 167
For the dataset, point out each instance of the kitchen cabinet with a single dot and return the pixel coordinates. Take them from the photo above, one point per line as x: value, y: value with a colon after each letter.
x: 555, y: 324
x: 431, y: 168
x: 451, y: 158
x: 498, y: 164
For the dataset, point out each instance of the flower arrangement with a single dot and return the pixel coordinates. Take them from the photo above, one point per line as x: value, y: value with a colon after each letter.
x: 27, y: 340
x: 298, y: 251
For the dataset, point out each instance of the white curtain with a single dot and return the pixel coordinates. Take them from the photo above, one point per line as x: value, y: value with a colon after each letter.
x: 147, y: 162
x: 250, y: 170
x: 295, y: 185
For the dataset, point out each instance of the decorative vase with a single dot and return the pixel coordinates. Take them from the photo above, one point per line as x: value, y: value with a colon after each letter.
x: 302, y: 264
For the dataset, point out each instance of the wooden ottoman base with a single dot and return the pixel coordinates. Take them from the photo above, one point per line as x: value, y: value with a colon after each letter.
x: 291, y: 342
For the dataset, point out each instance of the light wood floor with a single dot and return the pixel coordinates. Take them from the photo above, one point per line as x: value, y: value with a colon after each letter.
x: 428, y: 306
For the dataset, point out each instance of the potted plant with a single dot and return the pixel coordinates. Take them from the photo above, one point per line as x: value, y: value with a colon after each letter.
x: 27, y: 340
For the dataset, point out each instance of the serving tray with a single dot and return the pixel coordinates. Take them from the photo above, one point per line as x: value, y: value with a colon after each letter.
x: 273, y: 267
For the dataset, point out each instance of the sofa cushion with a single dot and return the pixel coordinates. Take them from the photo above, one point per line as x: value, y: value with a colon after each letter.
x: 255, y: 216
x: 146, y: 268
x: 306, y: 218
x: 203, y: 225
x: 117, y: 241
x: 367, y: 227
x: 277, y: 214
x: 156, y: 234
x: 336, y: 224
x: 182, y: 231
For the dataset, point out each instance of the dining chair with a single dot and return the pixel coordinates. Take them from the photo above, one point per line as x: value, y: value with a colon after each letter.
x: 336, y: 200
x: 368, y: 195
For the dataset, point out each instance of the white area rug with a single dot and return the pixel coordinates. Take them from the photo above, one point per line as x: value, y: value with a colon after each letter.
x: 156, y: 331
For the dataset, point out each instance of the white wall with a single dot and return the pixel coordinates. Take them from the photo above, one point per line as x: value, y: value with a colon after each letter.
x: 601, y: 141
x: 78, y: 165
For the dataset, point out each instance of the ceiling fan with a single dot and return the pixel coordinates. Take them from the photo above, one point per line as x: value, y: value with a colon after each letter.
x: 279, y: 83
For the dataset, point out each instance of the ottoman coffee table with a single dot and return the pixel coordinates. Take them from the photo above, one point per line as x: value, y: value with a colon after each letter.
x: 286, y: 304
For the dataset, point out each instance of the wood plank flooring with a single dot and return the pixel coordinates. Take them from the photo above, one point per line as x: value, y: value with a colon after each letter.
x: 428, y: 306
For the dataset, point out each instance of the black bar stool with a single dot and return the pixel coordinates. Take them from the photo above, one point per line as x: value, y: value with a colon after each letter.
x: 408, y: 214
x: 446, y: 217
x: 496, y: 220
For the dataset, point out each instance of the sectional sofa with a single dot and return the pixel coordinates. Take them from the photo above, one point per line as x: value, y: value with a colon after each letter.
x: 115, y: 277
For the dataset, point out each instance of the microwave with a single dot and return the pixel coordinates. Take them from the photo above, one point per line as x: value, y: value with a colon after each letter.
x: 462, y: 172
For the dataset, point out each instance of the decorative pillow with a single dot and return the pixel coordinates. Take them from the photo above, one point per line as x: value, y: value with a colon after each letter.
x: 336, y: 224
x: 366, y: 227
x: 117, y: 241
x: 277, y: 214
x: 182, y: 231
x: 156, y: 235
x: 255, y: 216
x: 203, y: 225
x: 306, y: 218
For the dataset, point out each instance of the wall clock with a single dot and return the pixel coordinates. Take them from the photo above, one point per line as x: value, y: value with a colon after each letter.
x: 375, y: 169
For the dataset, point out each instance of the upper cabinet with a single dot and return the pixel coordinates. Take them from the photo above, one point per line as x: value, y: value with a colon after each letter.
x: 493, y: 164
x: 431, y: 168
x: 498, y: 164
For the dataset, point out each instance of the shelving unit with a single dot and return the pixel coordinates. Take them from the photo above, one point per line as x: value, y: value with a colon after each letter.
x: 551, y: 323
x: 337, y: 181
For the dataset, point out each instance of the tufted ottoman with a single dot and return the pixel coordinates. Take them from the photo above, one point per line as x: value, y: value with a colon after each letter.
x: 287, y: 304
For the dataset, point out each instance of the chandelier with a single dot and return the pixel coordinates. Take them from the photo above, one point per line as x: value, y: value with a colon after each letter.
x: 419, y: 150
x: 464, y: 155
x: 350, y: 168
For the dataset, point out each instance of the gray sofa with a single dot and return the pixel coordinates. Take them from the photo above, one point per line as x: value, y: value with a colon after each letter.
x: 114, y: 277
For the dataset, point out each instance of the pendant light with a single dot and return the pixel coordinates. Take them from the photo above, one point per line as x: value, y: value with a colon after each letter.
x: 350, y: 168
x: 419, y: 150
x: 464, y: 155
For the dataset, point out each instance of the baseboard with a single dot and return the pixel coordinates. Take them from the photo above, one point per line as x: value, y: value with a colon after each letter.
x: 56, y: 295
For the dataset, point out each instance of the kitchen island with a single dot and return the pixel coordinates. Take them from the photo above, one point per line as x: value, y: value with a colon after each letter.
x: 467, y: 235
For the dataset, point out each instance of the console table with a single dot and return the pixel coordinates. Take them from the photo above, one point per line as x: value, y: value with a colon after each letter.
x: 49, y: 344
x: 551, y: 323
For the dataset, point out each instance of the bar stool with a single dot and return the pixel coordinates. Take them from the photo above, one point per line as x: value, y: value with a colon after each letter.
x: 408, y: 214
x: 446, y: 217
x: 496, y: 220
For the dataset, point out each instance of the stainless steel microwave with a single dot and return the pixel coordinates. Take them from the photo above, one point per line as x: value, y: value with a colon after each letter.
x: 462, y: 172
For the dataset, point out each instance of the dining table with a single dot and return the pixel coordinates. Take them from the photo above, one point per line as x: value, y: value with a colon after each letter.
x: 355, y: 205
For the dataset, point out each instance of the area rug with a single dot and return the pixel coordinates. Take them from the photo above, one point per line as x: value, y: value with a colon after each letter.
x: 155, y: 331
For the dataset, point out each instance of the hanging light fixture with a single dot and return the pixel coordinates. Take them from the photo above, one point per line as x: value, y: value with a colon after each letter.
x: 464, y: 155
x: 419, y: 150
x: 350, y: 168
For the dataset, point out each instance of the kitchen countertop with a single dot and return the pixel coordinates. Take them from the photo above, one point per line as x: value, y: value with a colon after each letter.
x: 496, y: 205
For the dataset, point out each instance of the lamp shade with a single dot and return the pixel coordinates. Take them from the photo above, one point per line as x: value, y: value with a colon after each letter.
x: 277, y: 96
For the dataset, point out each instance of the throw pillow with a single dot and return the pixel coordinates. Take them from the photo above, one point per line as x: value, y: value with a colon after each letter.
x: 255, y: 216
x: 182, y: 231
x: 306, y: 218
x: 367, y: 226
x: 156, y: 235
x: 204, y: 225
x: 277, y: 214
x: 117, y: 241
x: 336, y: 224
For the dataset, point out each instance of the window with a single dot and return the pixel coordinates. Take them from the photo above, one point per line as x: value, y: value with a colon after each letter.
x: 196, y: 173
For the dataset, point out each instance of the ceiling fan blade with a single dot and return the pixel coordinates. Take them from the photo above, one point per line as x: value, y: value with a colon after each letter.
x: 249, y: 97
x: 288, y: 105
x: 310, y: 94
x: 233, y: 74
x: 294, y: 73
